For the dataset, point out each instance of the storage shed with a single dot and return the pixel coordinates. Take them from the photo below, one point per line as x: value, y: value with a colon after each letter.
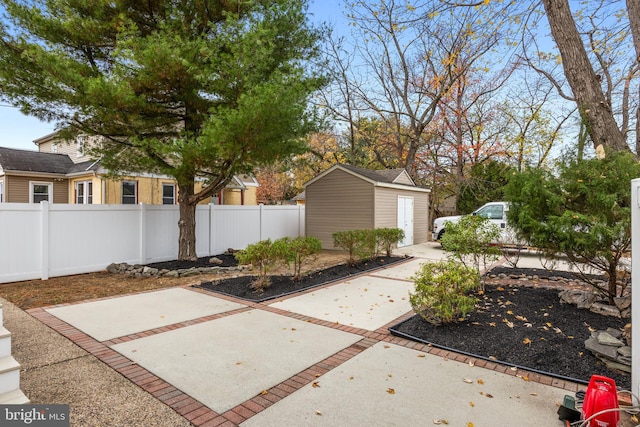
x: 346, y: 197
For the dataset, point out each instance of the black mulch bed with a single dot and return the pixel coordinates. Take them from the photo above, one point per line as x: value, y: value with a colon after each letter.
x: 227, y: 261
x: 239, y: 287
x: 538, y: 347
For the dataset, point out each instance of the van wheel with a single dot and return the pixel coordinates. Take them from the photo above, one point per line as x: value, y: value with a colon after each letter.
x: 440, y: 234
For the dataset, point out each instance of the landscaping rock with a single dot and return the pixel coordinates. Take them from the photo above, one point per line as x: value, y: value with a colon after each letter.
x: 605, y: 338
x: 610, y: 350
x: 598, y: 349
x: 216, y: 261
x: 616, y: 333
x: 622, y: 302
x: 581, y: 299
x: 605, y: 310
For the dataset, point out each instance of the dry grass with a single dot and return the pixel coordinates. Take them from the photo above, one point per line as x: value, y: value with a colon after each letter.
x: 60, y: 290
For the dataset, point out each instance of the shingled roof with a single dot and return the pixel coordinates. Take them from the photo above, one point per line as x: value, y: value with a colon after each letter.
x: 12, y: 159
x: 383, y: 175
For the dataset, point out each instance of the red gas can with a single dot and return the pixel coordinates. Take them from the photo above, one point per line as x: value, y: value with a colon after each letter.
x: 601, y: 394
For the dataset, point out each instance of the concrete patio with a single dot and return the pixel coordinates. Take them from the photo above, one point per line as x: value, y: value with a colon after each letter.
x: 323, y: 357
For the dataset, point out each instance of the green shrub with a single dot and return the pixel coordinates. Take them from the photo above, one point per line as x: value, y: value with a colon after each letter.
x: 472, y: 240
x: 387, y: 237
x: 442, y: 291
x: 263, y: 256
x: 297, y: 251
x: 360, y: 244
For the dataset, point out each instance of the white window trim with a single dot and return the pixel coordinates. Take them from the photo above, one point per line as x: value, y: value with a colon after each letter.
x: 168, y: 184
x: 49, y: 191
x: 85, y: 194
x: 1, y: 191
x: 81, y: 142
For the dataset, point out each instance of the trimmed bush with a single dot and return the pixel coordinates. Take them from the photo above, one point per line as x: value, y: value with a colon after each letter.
x: 387, y: 237
x: 263, y: 256
x: 442, y: 291
x: 471, y: 240
x: 297, y: 251
x: 360, y: 244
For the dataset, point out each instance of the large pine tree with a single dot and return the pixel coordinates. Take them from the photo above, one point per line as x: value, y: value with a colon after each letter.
x: 188, y: 88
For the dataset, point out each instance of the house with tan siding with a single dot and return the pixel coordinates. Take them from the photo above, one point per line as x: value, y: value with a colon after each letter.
x: 346, y: 197
x: 62, y: 172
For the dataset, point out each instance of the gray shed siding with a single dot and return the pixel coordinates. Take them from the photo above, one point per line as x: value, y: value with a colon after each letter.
x: 338, y: 202
x: 387, y: 211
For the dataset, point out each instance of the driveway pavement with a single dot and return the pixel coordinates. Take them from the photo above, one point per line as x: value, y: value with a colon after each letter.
x: 323, y: 357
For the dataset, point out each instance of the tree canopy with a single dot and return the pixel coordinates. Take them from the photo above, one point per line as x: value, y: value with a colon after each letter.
x: 193, y: 89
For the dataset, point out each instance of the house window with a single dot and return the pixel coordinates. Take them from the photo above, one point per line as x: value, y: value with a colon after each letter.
x: 41, y: 191
x: 84, y: 193
x: 168, y: 194
x: 129, y: 192
x: 54, y: 148
x: 80, y: 145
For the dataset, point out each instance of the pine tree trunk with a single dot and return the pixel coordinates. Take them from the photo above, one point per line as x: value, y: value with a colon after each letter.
x: 187, y: 224
x: 594, y: 108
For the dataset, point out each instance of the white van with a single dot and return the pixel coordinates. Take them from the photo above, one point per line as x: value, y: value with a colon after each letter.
x: 496, y: 212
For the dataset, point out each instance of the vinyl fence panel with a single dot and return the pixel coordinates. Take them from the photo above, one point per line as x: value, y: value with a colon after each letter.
x: 46, y: 240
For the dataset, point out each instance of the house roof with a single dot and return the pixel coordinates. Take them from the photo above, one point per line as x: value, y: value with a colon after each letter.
x: 12, y: 159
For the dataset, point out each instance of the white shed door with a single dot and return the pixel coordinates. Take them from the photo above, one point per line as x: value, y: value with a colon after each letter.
x: 405, y: 220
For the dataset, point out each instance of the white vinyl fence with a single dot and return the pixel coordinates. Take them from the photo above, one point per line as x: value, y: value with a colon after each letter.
x: 47, y: 240
x: 635, y: 289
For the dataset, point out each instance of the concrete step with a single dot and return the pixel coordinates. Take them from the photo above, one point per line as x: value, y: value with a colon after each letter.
x: 5, y: 342
x: 9, y: 375
x: 15, y: 397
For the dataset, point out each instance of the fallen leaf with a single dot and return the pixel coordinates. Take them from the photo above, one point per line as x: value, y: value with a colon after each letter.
x: 472, y: 404
x: 315, y: 384
x: 500, y: 288
x: 471, y: 363
x: 526, y: 341
x: 533, y: 393
x: 493, y: 358
x: 528, y: 325
x: 490, y: 396
x: 350, y: 378
x: 390, y: 375
x: 521, y: 318
x: 387, y: 346
x: 391, y: 391
x: 422, y: 355
x: 316, y: 375
x: 525, y: 377
x: 318, y: 413
x: 480, y: 381
x: 509, y: 312
x: 263, y: 392
x: 558, y: 330
x: 467, y: 380
x: 492, y: 324
x: 438, y: 421
x: 469, y: 424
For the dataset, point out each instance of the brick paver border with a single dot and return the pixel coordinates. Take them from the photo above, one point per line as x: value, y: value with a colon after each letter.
x: 202, y: 416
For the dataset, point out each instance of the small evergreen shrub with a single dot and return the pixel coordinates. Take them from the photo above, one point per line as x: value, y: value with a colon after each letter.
x: 297, y: 251
x: 442, y: 291
x: 387, y: 237
x: 360, y: 244
x: 471, y: 240
x: 263, y: 256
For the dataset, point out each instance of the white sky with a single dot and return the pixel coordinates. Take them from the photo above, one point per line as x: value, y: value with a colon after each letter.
x: 19, y: 131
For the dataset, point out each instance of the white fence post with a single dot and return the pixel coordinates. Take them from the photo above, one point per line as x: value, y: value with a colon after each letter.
x: 261, y: 221
x: 143, y: 233
x: 635, y: 287
x: 44, y: 240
